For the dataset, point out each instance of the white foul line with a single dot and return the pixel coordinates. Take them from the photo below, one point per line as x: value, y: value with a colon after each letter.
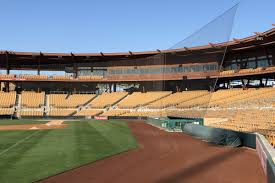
x: 22, y: 140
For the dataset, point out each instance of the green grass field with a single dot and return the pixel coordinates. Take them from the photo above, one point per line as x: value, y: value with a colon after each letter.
x: 27, y: 156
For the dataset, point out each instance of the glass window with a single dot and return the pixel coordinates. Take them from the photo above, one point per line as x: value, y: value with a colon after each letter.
x: 263, y: 63
x: 251, y: 64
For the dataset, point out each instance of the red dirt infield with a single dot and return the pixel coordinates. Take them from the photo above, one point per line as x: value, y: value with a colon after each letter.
x: 164, y: 157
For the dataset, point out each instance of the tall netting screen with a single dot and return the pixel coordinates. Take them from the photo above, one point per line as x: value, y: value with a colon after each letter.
x: 217, y: 31
x: 192, y: 95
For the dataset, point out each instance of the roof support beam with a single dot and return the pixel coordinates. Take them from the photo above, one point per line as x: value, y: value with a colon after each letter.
x: 212, y: 45
x: 7, y: 62
x: 237, y: 40
x: 39, y: 61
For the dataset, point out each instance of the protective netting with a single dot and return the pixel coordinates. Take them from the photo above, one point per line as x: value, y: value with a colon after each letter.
x: 217, y: 31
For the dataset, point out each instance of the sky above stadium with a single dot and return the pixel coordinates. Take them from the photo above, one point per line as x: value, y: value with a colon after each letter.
x: 119, y: 25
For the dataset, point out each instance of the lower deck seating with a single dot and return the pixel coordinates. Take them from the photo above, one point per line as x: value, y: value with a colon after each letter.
x: 249, y: 110
x: 161, y: 113
x: 115, y: 112
x: 32, y: 99
x: 107, y: 99
x: 69, y: 101
x: 137, y: 99
x: 30, y: 112
x: 89, y: 112
x: 7, y: 99
x: 176, y: 98
x: 7, y: 111
x: 62, y: 112
x: 261, y: 121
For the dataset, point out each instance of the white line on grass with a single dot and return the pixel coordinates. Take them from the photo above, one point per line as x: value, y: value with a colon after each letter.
x: 18, y: 142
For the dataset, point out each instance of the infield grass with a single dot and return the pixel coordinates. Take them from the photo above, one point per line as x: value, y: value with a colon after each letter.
x: 27, y: 156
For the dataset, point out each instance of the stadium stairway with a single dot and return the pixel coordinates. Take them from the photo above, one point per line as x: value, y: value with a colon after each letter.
x: 85, y: 106
x: 17, y: 105
x: 114, y: 105
x: 88, y: 102
x: 18, y: 101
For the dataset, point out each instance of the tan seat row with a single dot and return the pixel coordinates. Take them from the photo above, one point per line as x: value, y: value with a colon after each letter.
x: 107, y: 99
x: 7, y: 111
x: 34, y: 77
x: 176, y: 98
x: 137, y: 99
x: 69, y: 101
x: 90, y: 77
x: 32, y: 99
x: 7, y: 76
x: 7, y: 99
x: 61, y: 112
x: 31, y: 113
x: 88, y: 112
x: 115, y: 112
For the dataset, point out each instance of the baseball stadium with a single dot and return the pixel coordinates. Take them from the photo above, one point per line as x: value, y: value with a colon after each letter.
x: 200, y: 111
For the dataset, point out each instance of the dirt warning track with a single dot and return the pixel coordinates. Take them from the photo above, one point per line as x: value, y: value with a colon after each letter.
x: 164, y: 157
x: 56, y: 124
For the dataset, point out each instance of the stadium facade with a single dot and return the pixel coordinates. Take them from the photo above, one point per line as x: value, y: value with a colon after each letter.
x: 199, y: 67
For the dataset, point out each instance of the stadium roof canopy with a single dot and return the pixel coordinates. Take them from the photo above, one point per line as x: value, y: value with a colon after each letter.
x: 19, y: 59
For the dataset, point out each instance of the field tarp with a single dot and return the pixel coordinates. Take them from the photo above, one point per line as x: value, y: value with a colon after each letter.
x: 220, y: 136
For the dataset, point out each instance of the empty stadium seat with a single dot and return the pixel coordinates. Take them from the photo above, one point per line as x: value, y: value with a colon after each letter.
x: 69, y: 101
x: 7, y: 99
x: 137, y: 99
x: 33, y: 77
x: 58, y: 77
x: 90, y: 77
x: 61, y: 112
x: 31, y: 112
x: 115, y: 112
x: 176, y: 98
x: 7, y: 111
x: 32, y: 99
x: 107, y: 99
x: 7, y: 76
x: 225, y: 73
x: 89, y: 112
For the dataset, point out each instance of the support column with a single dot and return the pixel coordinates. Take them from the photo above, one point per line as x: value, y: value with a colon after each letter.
x: 248, y: 82
x: 7, y: 86
x: 177, y: 88
x: 114, y: 87
x: 75, y: 68
x: 38, y: 66
x: 7, y: 62
x: 266, y: 81
x: 261, y: 82
x: 110, y: 88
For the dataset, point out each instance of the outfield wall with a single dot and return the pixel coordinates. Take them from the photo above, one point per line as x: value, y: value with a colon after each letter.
x: 267, y: 156
x: 256, y: 141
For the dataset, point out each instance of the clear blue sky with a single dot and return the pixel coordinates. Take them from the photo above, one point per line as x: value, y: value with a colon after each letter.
x: 119, y: 25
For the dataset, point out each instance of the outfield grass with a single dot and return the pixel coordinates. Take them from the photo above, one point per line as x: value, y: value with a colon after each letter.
x: 47, y: 152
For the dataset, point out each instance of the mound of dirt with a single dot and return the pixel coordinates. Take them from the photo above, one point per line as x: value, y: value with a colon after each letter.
x: 56, y: 124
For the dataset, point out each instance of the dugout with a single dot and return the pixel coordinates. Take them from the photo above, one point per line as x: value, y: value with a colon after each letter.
x: 173, y: 123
